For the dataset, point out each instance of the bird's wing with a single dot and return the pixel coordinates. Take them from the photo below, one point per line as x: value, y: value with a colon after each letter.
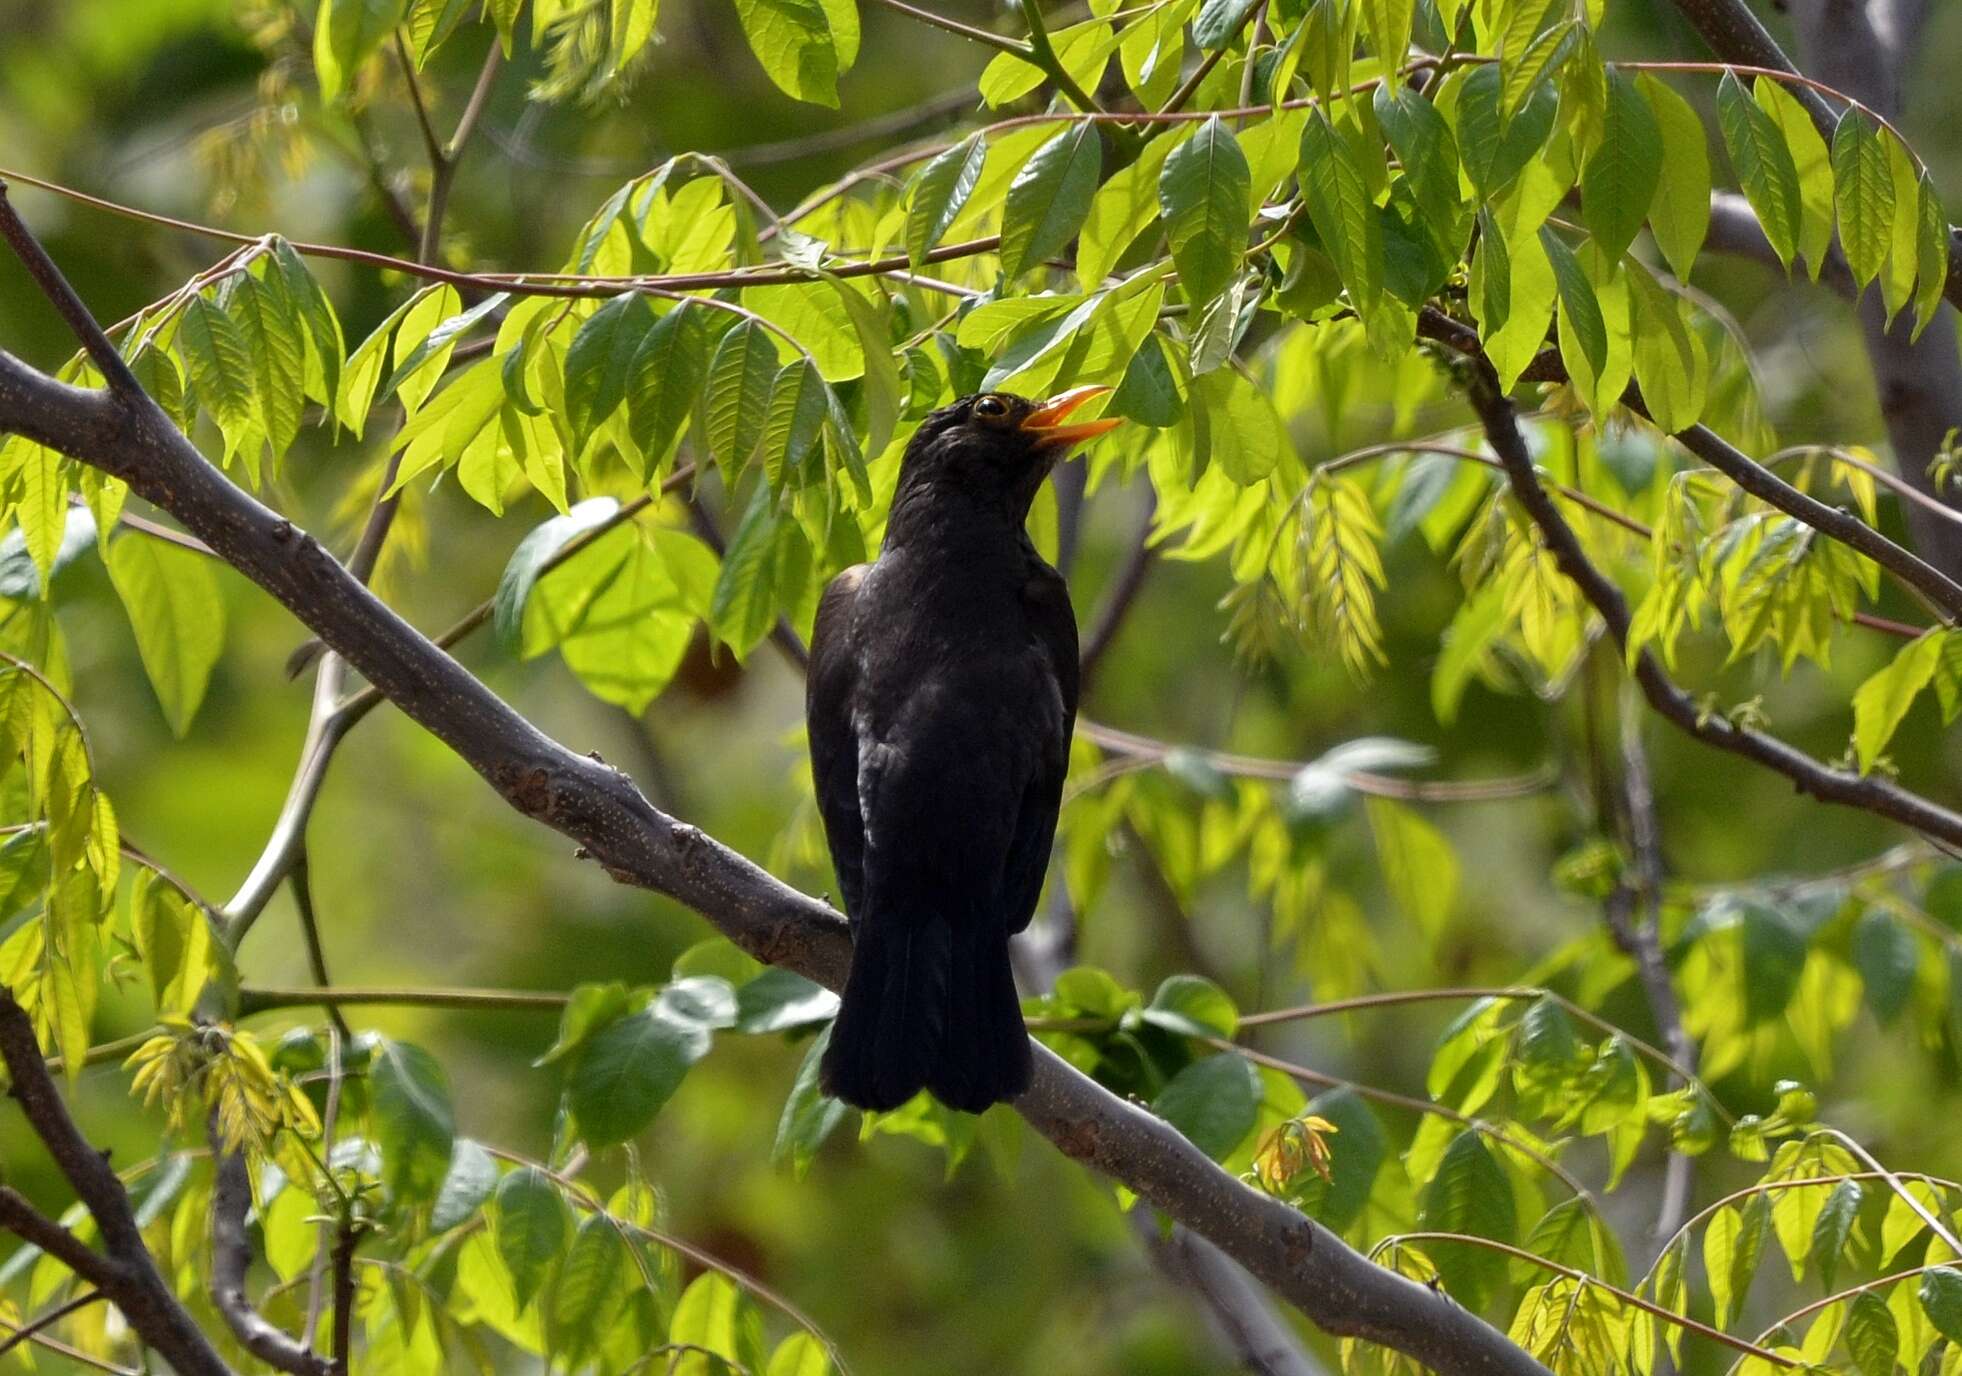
x: 830, y: 689
x: 1053, y: 624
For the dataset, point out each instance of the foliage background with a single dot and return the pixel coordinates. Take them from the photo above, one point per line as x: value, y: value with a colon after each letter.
x: 1025, y: 1264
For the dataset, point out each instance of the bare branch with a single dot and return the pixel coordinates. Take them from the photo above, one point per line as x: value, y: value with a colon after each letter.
x: 231, y: 1257
x: 1917, y: 574
x: 55, y: 287
x: 600, y: 808
x: 1868, y: 793
x: 1633, y: 912
x: 1124, y: 590
x: 124, y: 1270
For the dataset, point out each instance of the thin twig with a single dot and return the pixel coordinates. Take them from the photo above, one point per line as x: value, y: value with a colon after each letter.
x: 1124, y: 589
x: 231, y: 1258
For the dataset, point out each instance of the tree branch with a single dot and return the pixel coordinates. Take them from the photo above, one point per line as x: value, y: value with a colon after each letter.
x: 600, y: 808
x: 1916, y: 573
x: 1868, y: 793
x: 231, y: 1257
x: 1919, y: 381
x: 1633, y: 914
x: 124, y: 1271
x: 1124, y: 589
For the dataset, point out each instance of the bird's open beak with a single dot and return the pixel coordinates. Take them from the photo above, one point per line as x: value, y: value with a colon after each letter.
x: 1047, y: 421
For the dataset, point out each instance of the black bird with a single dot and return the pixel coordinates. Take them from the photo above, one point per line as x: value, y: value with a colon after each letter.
x: 941, y: 696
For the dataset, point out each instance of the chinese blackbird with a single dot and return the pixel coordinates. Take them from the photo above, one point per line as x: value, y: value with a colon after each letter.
x: 941, y: 696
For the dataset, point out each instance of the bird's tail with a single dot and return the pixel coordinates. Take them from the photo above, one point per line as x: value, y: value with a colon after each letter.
x: 927, y: 1007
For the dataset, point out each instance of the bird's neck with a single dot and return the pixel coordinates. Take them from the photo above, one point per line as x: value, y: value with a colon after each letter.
x: 952, y: 522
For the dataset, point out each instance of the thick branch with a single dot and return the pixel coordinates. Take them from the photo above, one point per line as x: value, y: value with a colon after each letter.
x: 126, y: 1273
x: 600, y: 808
x: 231, y: 1257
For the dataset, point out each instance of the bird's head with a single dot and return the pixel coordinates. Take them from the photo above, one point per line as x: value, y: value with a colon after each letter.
x: 998, y: 447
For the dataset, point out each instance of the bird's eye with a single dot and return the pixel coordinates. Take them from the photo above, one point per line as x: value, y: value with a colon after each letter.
x: 992, y: 408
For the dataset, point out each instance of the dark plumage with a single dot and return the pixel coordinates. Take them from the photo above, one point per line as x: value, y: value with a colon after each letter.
x: 941, y: 697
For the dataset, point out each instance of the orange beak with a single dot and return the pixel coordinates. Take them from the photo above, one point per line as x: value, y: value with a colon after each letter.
x: 1046, y: 422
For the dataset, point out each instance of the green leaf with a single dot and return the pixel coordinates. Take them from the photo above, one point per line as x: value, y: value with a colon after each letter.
x: 799, y: 1355
x: 1470, y: 1059
x: 415, y: 1126
x: 363, y: 372
x: 1774, y: 958
x: 1764, y: 165
x: 326, y: 348
x: 173, y: 941
x: 1622, y: 175
x: 1218, y: 22
x: 622, y: 610
x: 1679, y: 217
x: 220, y: 369
x: 1419, y: 866
x: 41, y: 514
x: 1941, y: 1300
x: 1880, y: 703
x: 799, y: 402
x: 275, y: 342
x: 1049, y: 198
x: 714, y: 1316
x: 1357, y: 1151
x: 766, y: 552
x: 663, y: 379
x: 1214, y: 1102
x: 1469, y: 1194
x: 1423, y: 143
x: 587, y: 1291
x: 1872, y: 1336
x: 1865, y: 195
x: 1496, y: 147
x: 795, y: 43
x: 600, y: 360
x: 1204, y: 193
x: 736, y: 402
x: 1121, y: 209
x: 529, y: 1227
x: 1387, y: 22
x: 426, y: 339
x: 625, y: 1073
x: 346, y: 33
x: 1903, y: 253
x: 809, y: 1115
x: 469, y: 1181
x: 1887, y: 957
x: 940, y: 192
x: 1670, y: 361
x: 179, y: 619
x: 1192, y: 1006
x: 1832, y: 1229
x: 1812, y: 163
x: 1931, y: 254
x: 1529, y: 61
x: 1580, y: 307
x: 779, y: 1000
x: 531, y: 556
x: 1342, y: 210
x: 1082, y: 50
x: 1733, y: 1241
